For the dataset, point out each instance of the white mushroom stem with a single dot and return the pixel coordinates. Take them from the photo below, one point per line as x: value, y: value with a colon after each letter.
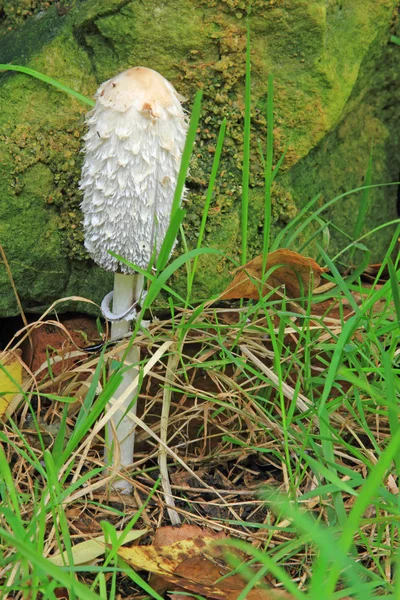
x: 127, y: 291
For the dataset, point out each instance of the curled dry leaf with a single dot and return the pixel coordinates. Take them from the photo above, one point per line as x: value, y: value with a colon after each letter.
x: 371, y: 271
x: 288, y: 268
x: 189, y: 559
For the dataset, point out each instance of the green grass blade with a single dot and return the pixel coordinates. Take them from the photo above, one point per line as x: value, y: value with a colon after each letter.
x: 280, y: 161
x: 338, y: 515
x: 170, y: 238
x: 289, y: 234
x: 91, y: 393
x: 360, y: 505
x: 29, y: 553
x: 246, y: 150
x: 61, y: 436
x: 335, y: 362
x: 391, y: 399
x: 159, y: 283
x: 279, y: 240
x: 268, y: 172
x: 140, y: 582
x: 176, y: 212
x: 323, y: 229
x: 372, y: 233
x: 395, y: 288
x: 55, y: 491
x: 329, y: 475
x: 364, y: 204
x: 339, y: 280
x: 7, y: 488
x: 98, y: 407
x: 148, y: 275
x: 213, y: 176
x: 210, y: 189
x: 49, y: 80
x: 263, y: 557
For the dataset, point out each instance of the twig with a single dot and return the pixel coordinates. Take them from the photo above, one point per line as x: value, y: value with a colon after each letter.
x: 14, y: 289
x: 172, y: 364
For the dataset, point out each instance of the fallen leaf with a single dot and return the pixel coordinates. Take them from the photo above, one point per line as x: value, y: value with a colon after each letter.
x: 87, y: 551
x: 371, y: 271
x: 61, y: 593
x: 163, y: 560
x: 205, y: 573
x: 288, y: 268
x: 189, y: 559
x: 10, y: 378
x: 166, y: 536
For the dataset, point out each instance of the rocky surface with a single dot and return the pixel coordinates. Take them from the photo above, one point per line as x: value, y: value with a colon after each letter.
x: 336, y: 94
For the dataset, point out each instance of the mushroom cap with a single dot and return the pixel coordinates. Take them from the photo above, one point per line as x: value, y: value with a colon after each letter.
x: 140, y: 87
x: 133, y: 149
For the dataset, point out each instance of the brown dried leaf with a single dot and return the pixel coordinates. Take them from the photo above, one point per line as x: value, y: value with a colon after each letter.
x: 164, y: 560
x: 202, y: 572
x: 61, y: 593
x: 371, y: 271
x: 168, y: 535
x: 187, y: 559
x: 294, y: 271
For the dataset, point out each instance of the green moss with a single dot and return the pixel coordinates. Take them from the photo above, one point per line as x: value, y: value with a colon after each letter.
x: 317, y: 51
x: 49, y: 135
x: 18, y: 43
x: 40, y: 141
x: 32, y: 150
x: 15, y: 12
x: 340, y: 162
x: 31, y: 241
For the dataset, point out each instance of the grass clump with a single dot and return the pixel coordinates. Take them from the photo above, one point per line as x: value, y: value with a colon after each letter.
x: 272, y: 396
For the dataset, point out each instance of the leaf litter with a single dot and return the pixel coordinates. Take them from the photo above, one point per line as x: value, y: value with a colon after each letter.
x: 192, y: 559
x: 288, y: 269
x: 225, y: 426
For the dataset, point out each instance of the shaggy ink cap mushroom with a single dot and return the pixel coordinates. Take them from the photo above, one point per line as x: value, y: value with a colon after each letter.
x: 133, y: 150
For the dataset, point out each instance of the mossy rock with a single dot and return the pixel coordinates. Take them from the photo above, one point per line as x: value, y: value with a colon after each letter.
x: 335, y: 79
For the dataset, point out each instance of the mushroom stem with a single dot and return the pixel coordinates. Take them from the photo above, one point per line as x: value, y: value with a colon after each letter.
x: 127, y: 290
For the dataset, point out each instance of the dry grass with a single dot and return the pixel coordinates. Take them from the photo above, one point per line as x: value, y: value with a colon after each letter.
x: 243, y: 418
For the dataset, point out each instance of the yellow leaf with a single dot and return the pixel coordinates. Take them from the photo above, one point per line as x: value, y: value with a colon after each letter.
x: 86, y: 552
x: 192, y: 564
x: 165, y: 559
x: 10, y: 378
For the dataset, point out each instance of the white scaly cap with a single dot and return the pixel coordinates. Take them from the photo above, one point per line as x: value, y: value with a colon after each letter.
x: 133, y: 150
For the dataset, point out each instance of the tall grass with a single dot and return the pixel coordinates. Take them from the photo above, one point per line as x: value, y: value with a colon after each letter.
x: 268, y: 172
x: 246, y: 150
